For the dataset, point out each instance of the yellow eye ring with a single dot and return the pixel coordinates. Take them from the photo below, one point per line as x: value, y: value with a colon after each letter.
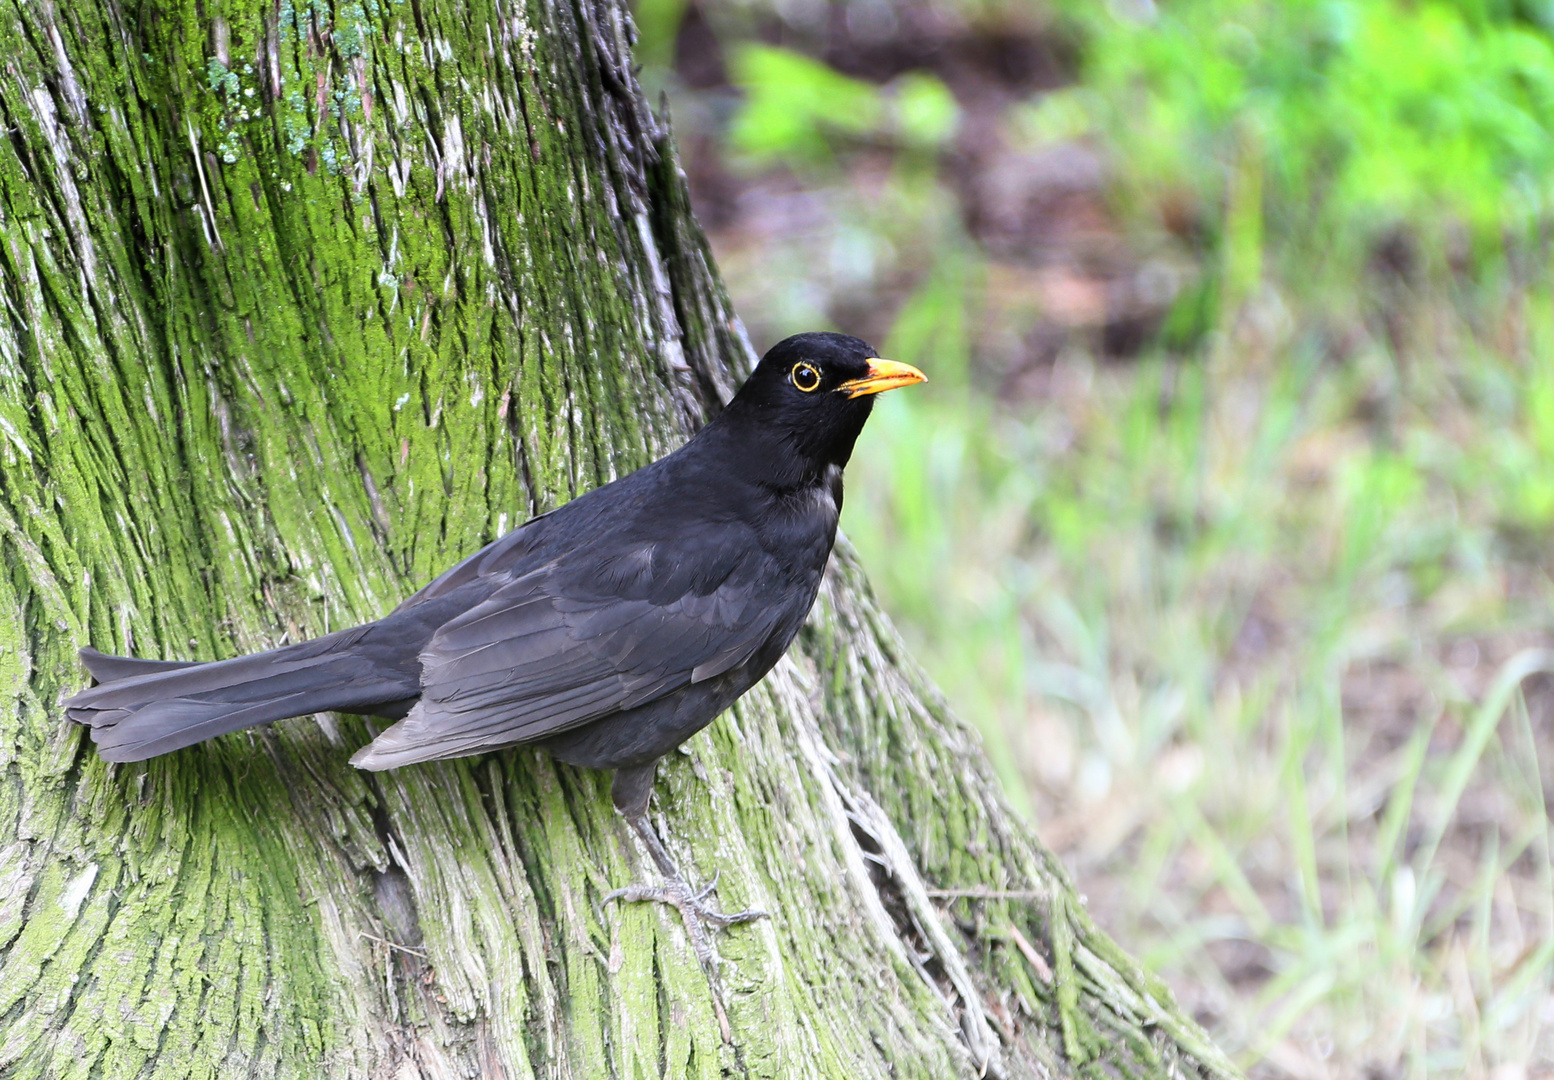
x: 806, y: 377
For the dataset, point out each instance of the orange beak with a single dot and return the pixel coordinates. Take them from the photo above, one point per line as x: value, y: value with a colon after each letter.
x: 883, y: 375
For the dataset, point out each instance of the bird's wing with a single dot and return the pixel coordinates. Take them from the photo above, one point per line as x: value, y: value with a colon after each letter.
x: 502, y: 554
x: 532, y: 543
x: 562, y: 645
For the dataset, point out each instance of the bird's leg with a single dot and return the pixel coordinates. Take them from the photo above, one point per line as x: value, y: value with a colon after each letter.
x: 675, y: 890
x: 630, y: 793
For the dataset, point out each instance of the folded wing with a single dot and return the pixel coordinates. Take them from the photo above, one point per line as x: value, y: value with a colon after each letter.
x: 550, y: 650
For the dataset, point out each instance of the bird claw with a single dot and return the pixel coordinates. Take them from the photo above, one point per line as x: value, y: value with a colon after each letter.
x: 693, y: 912
x: 706, y: 890
x: 679, y: 895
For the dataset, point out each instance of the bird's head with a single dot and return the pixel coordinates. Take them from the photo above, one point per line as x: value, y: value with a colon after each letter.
x: 813, y: 392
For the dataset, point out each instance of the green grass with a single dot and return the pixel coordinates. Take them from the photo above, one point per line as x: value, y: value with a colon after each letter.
x: 1256, y: 660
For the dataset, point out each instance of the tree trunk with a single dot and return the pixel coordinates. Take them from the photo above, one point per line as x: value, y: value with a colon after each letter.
x: 302, y: 302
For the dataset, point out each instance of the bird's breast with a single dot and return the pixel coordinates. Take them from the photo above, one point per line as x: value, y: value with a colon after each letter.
x: 800, y: 526
x: 823, y: 501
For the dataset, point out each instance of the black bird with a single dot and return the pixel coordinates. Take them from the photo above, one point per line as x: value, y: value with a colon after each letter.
x: 609, y: 630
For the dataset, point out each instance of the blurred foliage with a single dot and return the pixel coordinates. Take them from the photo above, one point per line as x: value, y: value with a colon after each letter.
x: 1258, y: 624
x: 795, y: 108
x: 1261, y: 674
x: 657, y: 23
x: 794, y: 104
x: 1364, y: 115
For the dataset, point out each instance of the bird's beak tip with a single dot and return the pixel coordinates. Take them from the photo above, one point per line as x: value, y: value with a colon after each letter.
x: 883, y: 375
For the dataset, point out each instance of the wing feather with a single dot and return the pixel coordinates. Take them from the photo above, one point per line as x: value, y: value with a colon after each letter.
x: 546, y: 651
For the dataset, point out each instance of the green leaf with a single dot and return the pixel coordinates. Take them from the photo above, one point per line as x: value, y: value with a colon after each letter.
x: 794, y: 104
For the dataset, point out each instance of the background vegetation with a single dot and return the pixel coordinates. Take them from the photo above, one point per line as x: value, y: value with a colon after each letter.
x: 1227, y: 514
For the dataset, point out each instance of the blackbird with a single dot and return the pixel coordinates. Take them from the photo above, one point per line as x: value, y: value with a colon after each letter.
x: 609, y: 630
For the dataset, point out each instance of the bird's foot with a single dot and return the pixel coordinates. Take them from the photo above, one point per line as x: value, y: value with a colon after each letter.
x: 677, y: 893
x: 674, y: 891
x: 695, y: 914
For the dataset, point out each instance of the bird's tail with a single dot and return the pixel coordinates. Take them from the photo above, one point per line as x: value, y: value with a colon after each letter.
x: 142, y: 708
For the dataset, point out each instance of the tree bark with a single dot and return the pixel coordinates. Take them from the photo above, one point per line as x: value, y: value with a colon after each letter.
x: 302, y: 302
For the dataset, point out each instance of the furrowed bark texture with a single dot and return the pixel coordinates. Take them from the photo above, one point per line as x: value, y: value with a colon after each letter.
x: 299, y: 303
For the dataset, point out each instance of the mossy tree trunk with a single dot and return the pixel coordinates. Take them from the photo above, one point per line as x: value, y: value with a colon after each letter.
x: 300, y: 303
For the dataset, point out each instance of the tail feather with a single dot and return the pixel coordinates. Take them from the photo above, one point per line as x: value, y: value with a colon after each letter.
x: 143, y: 708
x: 107, y: 668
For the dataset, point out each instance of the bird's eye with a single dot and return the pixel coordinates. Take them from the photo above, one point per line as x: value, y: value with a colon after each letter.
x: 806, y: 377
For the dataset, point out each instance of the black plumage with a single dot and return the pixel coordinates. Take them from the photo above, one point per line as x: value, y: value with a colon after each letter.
x: 610, y: 630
